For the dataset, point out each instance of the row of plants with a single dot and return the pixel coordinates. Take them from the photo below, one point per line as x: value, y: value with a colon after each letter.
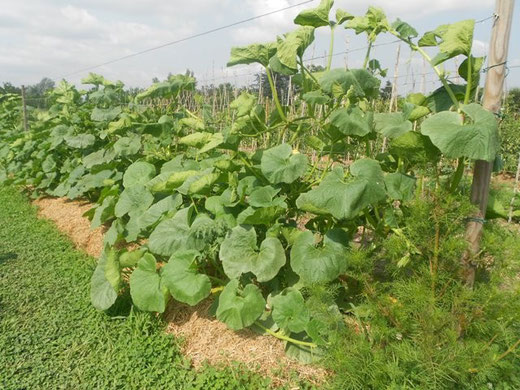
x: 258, y: 230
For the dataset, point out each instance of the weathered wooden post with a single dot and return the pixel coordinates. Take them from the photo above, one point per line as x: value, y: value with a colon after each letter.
x: 497, y: 59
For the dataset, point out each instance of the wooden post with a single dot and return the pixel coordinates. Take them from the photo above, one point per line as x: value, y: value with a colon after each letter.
x: 498, y: 48
x: 25, y: 122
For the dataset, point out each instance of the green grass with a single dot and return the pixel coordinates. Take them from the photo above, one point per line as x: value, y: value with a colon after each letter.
x: 52, y: 338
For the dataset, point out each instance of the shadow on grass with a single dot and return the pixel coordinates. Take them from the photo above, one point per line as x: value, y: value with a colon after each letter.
x: 7, y: 256
x: 122, y: 306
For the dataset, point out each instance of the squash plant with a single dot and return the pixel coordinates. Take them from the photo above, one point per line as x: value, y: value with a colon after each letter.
x: 255, y: 229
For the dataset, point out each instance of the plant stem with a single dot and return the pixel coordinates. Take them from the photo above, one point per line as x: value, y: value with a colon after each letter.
x: 304, y: 69
x: 467, y: 96
x: 368, y: 149
x: 331, y: 46
x: 419, y: 190
x: 509, y: 350
x: 275, y: 94
x: 435, y: 255
x: 281, y: 336
x: 435, y: 68
x: 441, y: 77
x: 217, y: 280
x: 367, y: 56
x: 457, y: 176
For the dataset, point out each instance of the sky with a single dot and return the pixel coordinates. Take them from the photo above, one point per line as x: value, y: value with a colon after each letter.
x: 56, y: 38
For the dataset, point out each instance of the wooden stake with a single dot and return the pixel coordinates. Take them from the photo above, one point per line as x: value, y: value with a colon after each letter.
x: 393, y: 95
x: 498, y: 48
x: 25, y: 122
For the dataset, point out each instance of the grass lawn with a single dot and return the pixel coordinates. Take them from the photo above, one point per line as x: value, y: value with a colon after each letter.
x: 52, y: 338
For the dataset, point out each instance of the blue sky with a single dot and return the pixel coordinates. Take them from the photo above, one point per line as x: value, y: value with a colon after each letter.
x: 54, y: 38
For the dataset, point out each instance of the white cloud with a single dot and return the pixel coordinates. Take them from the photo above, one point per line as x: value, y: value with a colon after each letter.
x: 266, y: 29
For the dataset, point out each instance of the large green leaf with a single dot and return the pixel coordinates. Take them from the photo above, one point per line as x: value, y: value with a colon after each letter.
x: 474, y: 68
x: 157, y: 210
x: 261, y: 216
x: 196, y: 139
x: 256, y: 53
x: 89, y: 182
x: 49, y: 164
x: 240, y: 254
x: 316, y: 97
x: 243, y: 104
x: 372, y: 23
x: 200, y: 183
x: 146, y: 289
x: 342, y: 16
x: 400, y: 186
x: 315, y: 17
x: 345, y: 198
x: 130, y: 258
x: 358, y: 83
x: 293, y: 45
x: 183, y: 281
x: 97, y: 158
x: 105, y: 281
x: 168, y: 181
x: 203, y: 140
x: 414, y: 148
x: 280, y: 165
x: 95, y: 79
x: 123, y: 123
x: 135, y: 200
x: 455, y: 39
x: 139, y: 173
x: 319, y: 264
x: 80, y: 141
x: 265, y: 196
x: 440, y: 100
x: 105, y: 114
x: 289, y: 310
x: 239, y: 308
x: 172, y: 87
x: 103, y: 212
x: 477, y: 140
x: 352, y: 121
x: 127, y: 146
x: 192, y: 123
x: 404, y: 30
x: 172, y: 234
x: 392, y: 125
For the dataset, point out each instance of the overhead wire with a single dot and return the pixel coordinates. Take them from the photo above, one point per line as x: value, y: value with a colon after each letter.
x: 187, y: 38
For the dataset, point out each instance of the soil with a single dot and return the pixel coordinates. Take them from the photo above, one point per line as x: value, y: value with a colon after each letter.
x: 205, y: 339
x: 68, y: 217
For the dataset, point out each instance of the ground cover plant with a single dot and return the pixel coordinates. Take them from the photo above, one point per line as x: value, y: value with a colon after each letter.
x: 51, y: 338
x: 262, y: 209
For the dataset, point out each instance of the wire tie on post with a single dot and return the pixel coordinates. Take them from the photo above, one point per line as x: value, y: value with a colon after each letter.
x: 475, y: 219
x: 494, y: 66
